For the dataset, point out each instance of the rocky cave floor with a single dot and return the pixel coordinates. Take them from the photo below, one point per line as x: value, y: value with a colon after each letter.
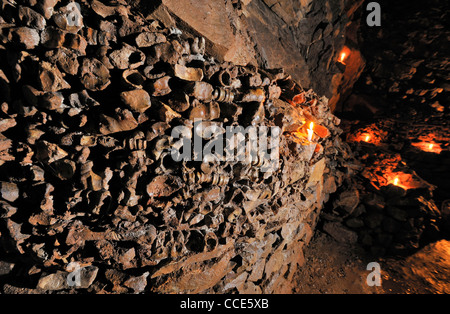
x: 332, y: 267
x: 398, y: 108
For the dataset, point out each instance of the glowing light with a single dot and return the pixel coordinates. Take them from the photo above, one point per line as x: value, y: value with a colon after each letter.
x: 310, y: 131
x: 367, y: 138
x: 426, y: 146
x: 396, y: 181
x: 344, y: 54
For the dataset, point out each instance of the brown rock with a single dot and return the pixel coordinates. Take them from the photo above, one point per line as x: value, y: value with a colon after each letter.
x: 148, y: 39
x: 6, y: 210
x: 124, y: 121
x: 50, y: 78
x: 16, y: 234
x: 69, y: 18
x: 230, y: 111
x: 132, y: 79
x: 162, y: 186
x: 65, y: 169
x: 60, y: 280
x: 274, y: 264
x: 137, y: 100
x: 187, y: 73
x: 329, y: 185
x: 56, y: 281
x: 166, y: 113
x: 127, y: 258
x: 49, y: 152
x: 257, y: 95
x: 163, y: 52
x: 53, y: 37
x: 348, y: 200
x: 46, y: 7
x: 161, y: 87
x: 340, y: 233
x: 127, y: 57
x: 27, y: 37
x: 274, y: 92
x: 9, y: 191
x: 199, y: 277
x: 5, y: 145
x: 75, y: 42
x: 94, y: 75
x: 201, y: 90
x: 52, y: 101
x: 105, y: 11
x: 198, y: 111
x: 138, y: 284
x: 6, y: 124
x: 179, y: 102
x: 316, y: 172
x: 31, y: 18
x: 66, y: 60
x: 264, y: 20
x: 214, y: 24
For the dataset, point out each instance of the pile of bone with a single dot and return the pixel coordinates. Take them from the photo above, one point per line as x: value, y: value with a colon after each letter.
x: 91, y: 197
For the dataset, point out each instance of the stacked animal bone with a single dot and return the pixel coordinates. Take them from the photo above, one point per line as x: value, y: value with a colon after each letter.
x: 87, y: 178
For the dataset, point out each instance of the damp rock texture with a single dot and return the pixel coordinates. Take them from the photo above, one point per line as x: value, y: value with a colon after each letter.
x: 305, y: 37
x: 91, y: 196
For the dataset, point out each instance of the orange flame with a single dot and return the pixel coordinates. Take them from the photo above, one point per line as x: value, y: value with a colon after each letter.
x: 396, y: 181
x: 367, y: 138
x: 344, y: 54
x: 428, y: 147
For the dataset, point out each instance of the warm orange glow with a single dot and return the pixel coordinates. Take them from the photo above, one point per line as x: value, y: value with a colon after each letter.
x: 310, y: 131
x: 396, y: 181
x: 365, y: 137
x: 343, y: 55
x: 403, y: 180
x: 428, y: 147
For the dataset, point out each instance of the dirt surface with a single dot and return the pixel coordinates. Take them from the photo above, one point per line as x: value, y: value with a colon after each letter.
x: 336, y: 268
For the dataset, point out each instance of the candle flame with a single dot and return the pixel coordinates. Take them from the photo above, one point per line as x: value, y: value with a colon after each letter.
x: 311, y: 126
x: 367, y: 138
x: 344, y: 54
x: 428, y: 147
x: 396, y: 181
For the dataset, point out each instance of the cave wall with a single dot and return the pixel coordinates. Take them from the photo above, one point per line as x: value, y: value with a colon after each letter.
x: 304, y: 37
x: 87, y: 114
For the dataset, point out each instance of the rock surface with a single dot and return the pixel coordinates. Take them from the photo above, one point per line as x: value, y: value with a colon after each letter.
x: 88, y: 170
